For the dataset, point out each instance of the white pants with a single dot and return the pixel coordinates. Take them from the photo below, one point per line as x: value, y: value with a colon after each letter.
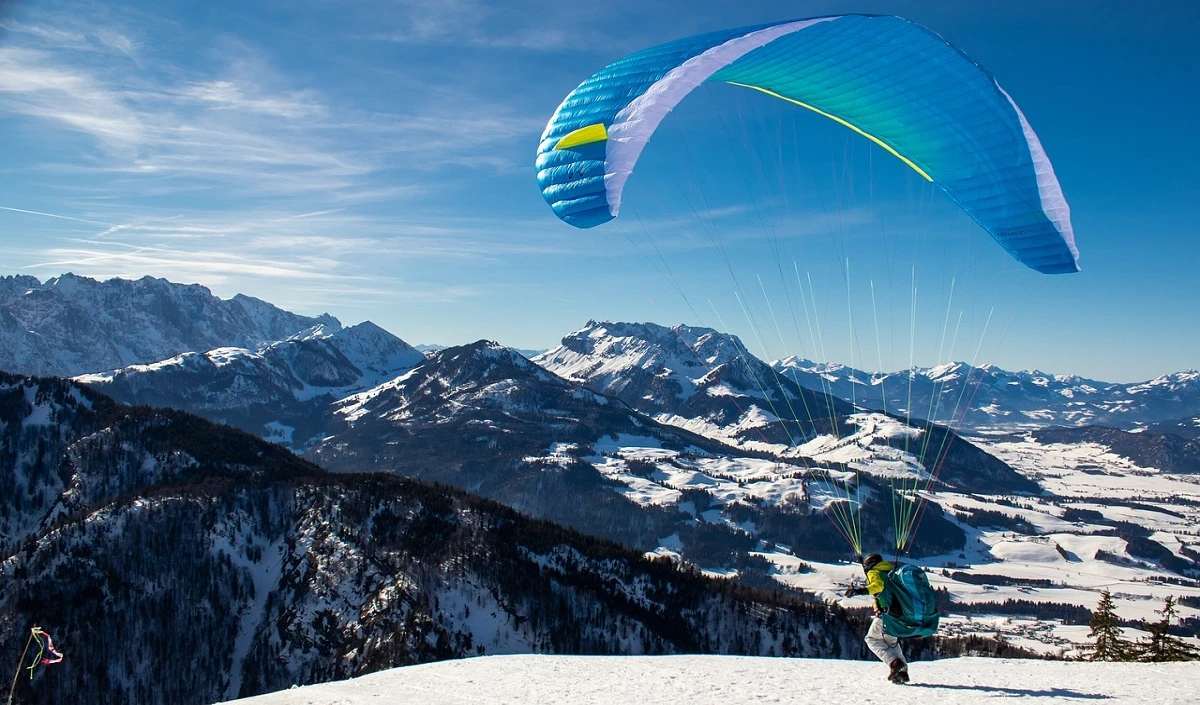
x: 885, y: 646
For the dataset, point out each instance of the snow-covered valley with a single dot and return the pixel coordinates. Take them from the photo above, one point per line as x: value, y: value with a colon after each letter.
x: 1062, y: 547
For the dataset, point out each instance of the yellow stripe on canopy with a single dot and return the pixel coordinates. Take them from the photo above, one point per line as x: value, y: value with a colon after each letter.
x: 584, y: 135
x: 835, y: 118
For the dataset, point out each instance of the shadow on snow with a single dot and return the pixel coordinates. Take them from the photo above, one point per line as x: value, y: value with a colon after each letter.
x: 1024, y: 692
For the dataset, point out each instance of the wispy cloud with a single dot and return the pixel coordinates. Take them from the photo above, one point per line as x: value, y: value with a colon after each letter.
x: 67, y: 31
x: 542, y: 25
x: 116, y: 41
x: 33, y: 84
x: 240, y: 124
x: 50, y: 35
x: 123, y: 259
x: 248, y: 98
x: 304, y: 268
x: 470, y: 23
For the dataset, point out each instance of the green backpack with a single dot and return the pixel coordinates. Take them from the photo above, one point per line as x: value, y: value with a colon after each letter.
x: 910, y: 600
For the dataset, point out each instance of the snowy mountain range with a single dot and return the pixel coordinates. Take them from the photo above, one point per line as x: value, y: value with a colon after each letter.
x: 706, y: 382
x: 677, y: 442
x: 989, y: 398
x: 695, y: 378
x: 485, y: 418
x: 73, y: 325
x: 282, y: 391
x: 179, y: 561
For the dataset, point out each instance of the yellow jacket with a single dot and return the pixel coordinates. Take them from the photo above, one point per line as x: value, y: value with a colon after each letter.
x: 876, y: 578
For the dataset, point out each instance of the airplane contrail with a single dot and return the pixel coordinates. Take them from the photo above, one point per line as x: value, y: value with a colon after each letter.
x: 313, y: 214
x: 52, y: 215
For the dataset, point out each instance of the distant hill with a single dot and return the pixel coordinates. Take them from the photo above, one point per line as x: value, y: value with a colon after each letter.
x: 991, y: 398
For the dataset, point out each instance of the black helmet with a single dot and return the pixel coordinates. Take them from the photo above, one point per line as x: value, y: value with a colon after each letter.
x: 869, y: 560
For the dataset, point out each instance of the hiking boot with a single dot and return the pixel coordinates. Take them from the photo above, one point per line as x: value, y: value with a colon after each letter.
x: 898, y: 671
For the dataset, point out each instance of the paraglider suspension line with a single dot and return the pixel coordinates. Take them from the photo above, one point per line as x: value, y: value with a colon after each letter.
x: 16, y: 674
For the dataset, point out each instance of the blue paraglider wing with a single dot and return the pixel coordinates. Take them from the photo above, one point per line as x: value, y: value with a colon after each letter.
x: 894, y: 82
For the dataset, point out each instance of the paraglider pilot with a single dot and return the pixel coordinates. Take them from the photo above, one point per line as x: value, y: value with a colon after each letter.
x: 884, y: 645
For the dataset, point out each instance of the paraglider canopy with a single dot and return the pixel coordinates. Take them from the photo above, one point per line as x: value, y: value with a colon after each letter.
x: 896, y: 83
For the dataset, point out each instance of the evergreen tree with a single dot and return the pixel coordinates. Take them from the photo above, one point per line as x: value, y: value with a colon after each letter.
x: 1107, y: 644
x: 1161, y: 645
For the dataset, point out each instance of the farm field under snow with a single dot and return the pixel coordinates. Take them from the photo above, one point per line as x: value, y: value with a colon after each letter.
x: 736, y: 680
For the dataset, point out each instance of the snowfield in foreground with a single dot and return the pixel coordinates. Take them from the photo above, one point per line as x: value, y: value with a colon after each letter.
x: 734, y: 680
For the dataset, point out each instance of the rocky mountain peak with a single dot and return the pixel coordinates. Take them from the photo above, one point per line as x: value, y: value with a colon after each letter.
x: 72, y: 324
x: 484, y: 362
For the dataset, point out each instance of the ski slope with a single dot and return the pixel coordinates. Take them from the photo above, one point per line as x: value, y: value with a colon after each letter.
x: 738, y: 680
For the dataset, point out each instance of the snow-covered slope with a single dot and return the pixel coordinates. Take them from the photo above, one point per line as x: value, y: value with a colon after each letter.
x: 706, y: 382
x: 485, y: 418
x: 695, y: 378
x: 71, y: 325
x: 988, y: 397
x: 375, y: 352
x: 731, y: 680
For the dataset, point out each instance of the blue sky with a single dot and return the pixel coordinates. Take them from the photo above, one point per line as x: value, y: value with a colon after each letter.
x: 374, y: 160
